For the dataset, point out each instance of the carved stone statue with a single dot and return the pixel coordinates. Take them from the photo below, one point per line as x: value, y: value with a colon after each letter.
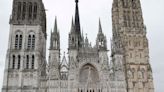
x: 130, y: 75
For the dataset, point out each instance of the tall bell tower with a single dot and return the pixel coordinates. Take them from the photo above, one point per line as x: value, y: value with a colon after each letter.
x: 129, y: 39
x: 26, y: 54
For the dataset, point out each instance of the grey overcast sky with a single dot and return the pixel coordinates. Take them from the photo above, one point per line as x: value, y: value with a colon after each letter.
x: 90, y: 12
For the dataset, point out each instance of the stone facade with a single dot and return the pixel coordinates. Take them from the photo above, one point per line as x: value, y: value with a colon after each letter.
x: 88, y: 68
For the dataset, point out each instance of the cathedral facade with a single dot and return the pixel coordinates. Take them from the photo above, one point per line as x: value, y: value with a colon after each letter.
x: 88, y: 68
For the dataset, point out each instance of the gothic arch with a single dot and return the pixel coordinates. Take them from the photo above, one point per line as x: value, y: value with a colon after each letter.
x: 88, y: 73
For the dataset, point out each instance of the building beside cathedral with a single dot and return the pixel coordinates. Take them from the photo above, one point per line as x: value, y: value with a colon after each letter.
x: 88, y: 68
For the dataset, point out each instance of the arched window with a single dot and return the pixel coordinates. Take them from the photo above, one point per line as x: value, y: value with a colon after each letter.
x: 24, y: 11
x: 19, y: 61
x: 19, y: 10
x: 33, y: 41
x: 30, y: 11
x: 33, y: 62
x: 13, y: 64
x: 27, y: 62
x: 16, y: 41
x: 20, y: 41
x: 35, y: 11
x: 29, y: 42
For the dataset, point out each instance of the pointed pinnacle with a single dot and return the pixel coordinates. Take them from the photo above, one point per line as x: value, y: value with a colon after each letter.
x: 55, y: 25
x: 100, y: 27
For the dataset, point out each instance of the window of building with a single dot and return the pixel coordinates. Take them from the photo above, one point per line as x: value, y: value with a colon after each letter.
x: 19, y: 61
x: 19, y: 10
x: 20, y: 41
x: 24, y: 11
x: 30, y: 11
x: 13, y: 64
x: 16, y: 41
x: 29, y: 42
x: 33, y: 61
x: 33, y: 41
x: 27, y: 62
x: 35, y: 11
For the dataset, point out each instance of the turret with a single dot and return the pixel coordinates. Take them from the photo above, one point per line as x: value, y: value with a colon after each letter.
x: 54, y: 54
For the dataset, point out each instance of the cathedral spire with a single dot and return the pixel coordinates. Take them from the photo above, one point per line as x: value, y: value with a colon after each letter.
x: 77, y: 19
x: 55, y: 25
x: 100, y: 27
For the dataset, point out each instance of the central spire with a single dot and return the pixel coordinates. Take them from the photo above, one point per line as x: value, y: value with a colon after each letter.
x: 77, y: 19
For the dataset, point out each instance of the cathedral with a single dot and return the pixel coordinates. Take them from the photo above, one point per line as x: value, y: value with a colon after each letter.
x: 87, y: 68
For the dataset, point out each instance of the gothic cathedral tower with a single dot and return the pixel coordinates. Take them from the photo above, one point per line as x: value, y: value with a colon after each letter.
x: 129, y: 39
x: 26, y: 55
